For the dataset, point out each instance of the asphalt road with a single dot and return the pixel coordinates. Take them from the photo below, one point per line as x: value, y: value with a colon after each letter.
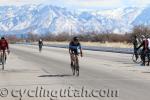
x: 30, y: 75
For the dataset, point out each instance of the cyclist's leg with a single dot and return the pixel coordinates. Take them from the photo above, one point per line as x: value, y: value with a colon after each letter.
x: 39, y: 47
x: 4, y: 54
x: 1, y: 55
x: 77, y: 64
x: 136, y: 54
x: 144, y: 55
x: 148, y: 55
x: 71, y: 58
x: 77, y: 61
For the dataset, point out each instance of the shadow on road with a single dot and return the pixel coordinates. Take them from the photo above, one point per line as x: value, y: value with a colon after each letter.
x: 55, y: 76
x: 146, y: 72
x: 18, y: 70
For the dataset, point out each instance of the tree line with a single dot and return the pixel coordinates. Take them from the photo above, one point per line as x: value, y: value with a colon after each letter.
x: 88, y: 37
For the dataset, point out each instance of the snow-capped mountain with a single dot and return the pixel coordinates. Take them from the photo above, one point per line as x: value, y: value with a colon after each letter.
x: 42, y: 19
x: 143, y: 18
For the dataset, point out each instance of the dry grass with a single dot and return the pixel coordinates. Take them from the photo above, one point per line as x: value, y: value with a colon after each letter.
x: 107, y: 44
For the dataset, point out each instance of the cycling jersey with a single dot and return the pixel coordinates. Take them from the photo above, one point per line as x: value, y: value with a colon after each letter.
x: 40, y: 43
x: 3, y: 44
x: 144, y: 44
x: 74, y: 47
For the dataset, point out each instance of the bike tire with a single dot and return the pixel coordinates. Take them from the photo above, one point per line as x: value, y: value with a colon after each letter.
x: 78, y: 72
x: 77, y: 69
x: 73, y: 69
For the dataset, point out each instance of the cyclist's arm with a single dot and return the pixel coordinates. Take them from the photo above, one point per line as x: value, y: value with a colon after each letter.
x: 80, y: 50
x: 70, y: 48
x: 140, y: 45
x: 7, y: 46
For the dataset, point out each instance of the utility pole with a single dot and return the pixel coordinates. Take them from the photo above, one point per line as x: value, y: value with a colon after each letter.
x: 71, y: 31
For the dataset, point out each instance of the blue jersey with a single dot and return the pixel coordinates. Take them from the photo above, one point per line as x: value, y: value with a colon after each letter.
x: 74, y: 46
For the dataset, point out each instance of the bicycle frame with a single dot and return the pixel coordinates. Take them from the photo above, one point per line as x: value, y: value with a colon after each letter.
x: 139, y: 54
x: 75, y: 67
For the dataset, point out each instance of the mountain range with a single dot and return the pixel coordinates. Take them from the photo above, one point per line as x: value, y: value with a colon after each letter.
x: 43, y: 19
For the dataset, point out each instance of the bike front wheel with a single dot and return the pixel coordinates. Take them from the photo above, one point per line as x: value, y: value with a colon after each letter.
x: 3, y: 61
x: 136, y: 59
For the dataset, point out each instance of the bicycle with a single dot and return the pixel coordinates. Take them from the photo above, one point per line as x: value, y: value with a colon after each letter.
x: 138, y: 54
x: 40, y: 48
x: 3, y: 58
x: 75, y: 65
x: 137, y: 57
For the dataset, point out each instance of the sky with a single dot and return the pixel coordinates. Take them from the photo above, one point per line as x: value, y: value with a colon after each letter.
x: 81, y: 4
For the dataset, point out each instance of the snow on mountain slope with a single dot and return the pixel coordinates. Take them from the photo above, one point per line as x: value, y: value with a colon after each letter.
x: 143, y: 18
x: 42, y: 19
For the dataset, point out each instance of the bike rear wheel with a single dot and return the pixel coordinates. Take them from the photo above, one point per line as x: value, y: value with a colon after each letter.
x: 40, y: 48
x: 77, y: 70
x: 73, y: 69
x: 75, y: 66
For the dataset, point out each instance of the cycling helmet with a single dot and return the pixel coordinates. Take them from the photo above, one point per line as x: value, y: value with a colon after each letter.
x: 135, y: 36
x: 143, y: 36
x: 40, y: 40
x: 2, y: 37
x: 75, y: 38
x: 147, y: 36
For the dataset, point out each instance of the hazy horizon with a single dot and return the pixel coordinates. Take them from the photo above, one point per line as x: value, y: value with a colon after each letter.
x: 80, y: 4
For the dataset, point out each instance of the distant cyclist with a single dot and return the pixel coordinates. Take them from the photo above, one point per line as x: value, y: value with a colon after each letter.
x: 4, y: 46
x: 40, y: 43
x: 145, y: 49
x: 75, y: 49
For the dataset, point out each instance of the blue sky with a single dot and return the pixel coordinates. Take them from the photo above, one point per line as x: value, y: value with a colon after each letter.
x: 81, y: 4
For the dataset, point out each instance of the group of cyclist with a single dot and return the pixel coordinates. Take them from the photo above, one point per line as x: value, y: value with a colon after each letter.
x: 143, y: 44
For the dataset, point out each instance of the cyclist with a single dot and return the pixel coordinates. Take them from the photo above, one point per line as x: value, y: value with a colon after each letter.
x: 74, y: 47
x: 145, y: 49
x: 4, y: 46
x: 40, y: 43
x: 135, y: 44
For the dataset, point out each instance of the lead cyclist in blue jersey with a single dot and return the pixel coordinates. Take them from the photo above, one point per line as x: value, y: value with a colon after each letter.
x: 75, y: 49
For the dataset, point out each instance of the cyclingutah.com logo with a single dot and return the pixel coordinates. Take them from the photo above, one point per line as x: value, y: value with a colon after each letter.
x: 54, y: 94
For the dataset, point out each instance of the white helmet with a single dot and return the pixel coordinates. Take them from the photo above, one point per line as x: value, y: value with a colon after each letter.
x: 142, y: 36
x: 40, y: 40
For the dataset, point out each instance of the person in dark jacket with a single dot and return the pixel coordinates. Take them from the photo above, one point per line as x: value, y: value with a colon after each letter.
x: 145, y: 49
x: 135, y: 46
